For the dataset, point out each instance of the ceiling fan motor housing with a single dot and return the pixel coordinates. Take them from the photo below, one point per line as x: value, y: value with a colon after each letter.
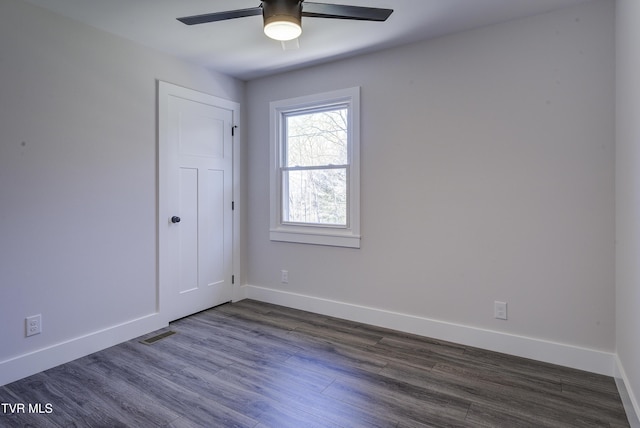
x: 282, y: 10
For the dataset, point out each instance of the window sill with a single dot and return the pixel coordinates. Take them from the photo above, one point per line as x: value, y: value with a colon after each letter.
x: 334, y: 239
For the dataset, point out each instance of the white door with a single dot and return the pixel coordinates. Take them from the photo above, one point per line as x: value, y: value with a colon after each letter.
x: 195, y: 201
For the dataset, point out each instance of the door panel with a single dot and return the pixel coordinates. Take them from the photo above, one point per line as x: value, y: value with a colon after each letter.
x: 213, y: 244
x: 188, y: 231
x: 202, y: 130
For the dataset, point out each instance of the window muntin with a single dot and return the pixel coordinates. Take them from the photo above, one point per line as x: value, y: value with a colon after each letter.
x: 315, y: 173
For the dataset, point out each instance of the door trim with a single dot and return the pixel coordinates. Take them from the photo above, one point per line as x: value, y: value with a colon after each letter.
x: 164, y: 91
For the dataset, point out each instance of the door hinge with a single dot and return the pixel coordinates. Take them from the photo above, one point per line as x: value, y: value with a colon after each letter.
x: 233, y: 205
x: 233, y: 130
x: 233, y: 279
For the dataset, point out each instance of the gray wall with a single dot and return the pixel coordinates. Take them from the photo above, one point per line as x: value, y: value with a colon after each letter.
x: 78, y: 176
x: 487, y: 174
x: 628, y: 195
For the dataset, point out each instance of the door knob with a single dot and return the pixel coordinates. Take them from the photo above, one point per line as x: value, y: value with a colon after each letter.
x: 175, y: 219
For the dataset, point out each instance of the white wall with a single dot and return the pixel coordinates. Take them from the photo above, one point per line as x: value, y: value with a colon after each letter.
x: 628, y: 197
x: 78, y: 184
x: 487, y: 174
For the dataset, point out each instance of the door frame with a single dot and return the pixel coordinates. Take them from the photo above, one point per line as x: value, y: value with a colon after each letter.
x: 164, y: 91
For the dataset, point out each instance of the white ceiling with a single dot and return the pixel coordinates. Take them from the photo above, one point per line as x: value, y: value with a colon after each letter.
x: 239, y: 48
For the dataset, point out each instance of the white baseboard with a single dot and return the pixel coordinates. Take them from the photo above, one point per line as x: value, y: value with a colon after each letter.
x: 541, y: 350
x: 60, y: 353
x: 629, y: 400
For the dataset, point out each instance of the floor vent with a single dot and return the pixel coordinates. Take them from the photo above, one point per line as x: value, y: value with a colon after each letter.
x: 154, y: 339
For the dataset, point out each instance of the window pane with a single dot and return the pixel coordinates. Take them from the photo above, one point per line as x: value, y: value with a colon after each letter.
x: 318, y: 138
x: 316, y: 196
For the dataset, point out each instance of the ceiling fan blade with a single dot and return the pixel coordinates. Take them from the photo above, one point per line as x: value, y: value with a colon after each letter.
x: 220, y: 16
x: 339, y: 11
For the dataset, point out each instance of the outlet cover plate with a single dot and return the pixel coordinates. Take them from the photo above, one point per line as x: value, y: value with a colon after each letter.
x: 33, y: 325
x: 500, y: 310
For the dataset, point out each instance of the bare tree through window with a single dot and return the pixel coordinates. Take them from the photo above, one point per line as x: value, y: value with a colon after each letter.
x: 315, y: 167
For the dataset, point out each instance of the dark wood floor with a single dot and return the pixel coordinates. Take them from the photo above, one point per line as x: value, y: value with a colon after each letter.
x: 252, y: 364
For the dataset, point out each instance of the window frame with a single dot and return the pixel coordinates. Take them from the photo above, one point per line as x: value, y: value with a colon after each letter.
x: 311, y: 233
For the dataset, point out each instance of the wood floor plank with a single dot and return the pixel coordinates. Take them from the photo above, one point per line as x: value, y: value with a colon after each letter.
x: 256, y: 365
x: 482, y: 416
x: 340, y: 335
x: 471, y: 372
x: 31, y: 390
x: 594, y: 398
x: 494, y: 391
x: 418, y: 345
x: 302, y: 396
x: 245, y: 342
x: 405, y: 404
x: 157, y: 384
x: 96, y: 396
x: 519, y: 366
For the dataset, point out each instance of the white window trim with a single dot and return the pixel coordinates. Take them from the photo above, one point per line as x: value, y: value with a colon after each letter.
x: 317, y: 234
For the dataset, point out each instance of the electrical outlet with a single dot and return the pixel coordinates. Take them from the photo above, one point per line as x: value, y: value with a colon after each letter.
x: 284, y: 276
x: 33, y: 325
x: 500, y: 310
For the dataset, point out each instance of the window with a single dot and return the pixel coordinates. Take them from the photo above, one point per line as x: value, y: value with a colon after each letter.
x: 315, y: 174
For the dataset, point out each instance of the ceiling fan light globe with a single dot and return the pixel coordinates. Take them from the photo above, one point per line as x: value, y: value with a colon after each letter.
x: 282, y: 30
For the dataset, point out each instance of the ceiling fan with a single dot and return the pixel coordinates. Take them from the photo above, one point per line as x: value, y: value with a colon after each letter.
x: 283, y: 18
